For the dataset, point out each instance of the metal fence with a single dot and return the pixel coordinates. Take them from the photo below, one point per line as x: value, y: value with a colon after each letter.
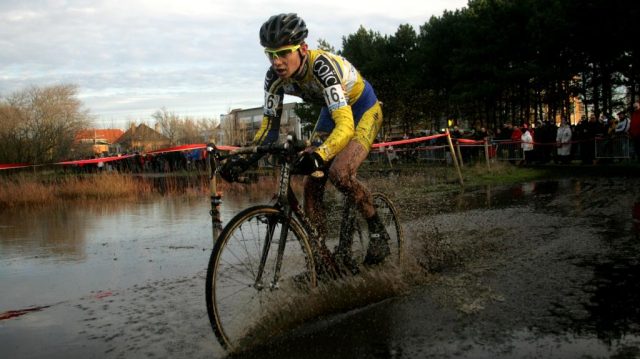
x: 431, y: 153
x: 508, y: 150
x: 616, y: 147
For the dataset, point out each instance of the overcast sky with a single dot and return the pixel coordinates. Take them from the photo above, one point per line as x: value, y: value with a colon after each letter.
x: 197, y: 58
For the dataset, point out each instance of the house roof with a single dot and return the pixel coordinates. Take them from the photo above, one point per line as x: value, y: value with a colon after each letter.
x: 142, y: 133
x: 110, y: 135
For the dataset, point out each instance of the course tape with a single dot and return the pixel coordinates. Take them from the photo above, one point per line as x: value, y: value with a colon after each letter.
x: 198, y: 146
x: 407, y: 141
x: 89, y: 161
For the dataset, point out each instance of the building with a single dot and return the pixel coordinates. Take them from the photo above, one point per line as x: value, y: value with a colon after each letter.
x: 239, y: 126
x: 98, y: 141
x: 142, y: 138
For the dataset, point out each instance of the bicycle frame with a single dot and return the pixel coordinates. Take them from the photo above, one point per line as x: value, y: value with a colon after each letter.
x: 287, y: 202
x: 213, y: 165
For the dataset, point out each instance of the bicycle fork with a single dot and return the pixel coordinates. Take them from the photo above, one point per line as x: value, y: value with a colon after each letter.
x: 273, y: 222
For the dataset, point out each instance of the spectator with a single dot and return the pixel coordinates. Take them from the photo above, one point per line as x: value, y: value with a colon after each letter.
x: 621, y: 134
x: 603, y: 119
x: 507, y: 130
x: 592, y: 129
x: 527, y: 145
x: 547, y: 138
x: 563, y: 141
x: 516, y: 134
x: 634, y: 129
x: 623, y: 123
x: 516, y: 138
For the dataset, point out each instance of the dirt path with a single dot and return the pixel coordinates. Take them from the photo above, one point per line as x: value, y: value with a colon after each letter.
x: 541, y: 271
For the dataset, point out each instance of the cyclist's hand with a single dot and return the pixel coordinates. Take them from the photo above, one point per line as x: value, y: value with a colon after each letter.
x: 233, y: 167
x: 308, y: 163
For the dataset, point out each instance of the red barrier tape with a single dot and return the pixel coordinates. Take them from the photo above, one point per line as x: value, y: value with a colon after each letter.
x: 94, y: 160
x: 555, y: 144
x: 118, y: 158
x: 410, y: 140
x: 467, y: 141
x: 178, y: 148
x: 197, y: 146
x: 7, y: 166
x: 20, y: 312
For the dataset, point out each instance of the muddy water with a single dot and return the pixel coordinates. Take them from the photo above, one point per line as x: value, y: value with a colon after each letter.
x: 52, y: 260
x: 547, y: 269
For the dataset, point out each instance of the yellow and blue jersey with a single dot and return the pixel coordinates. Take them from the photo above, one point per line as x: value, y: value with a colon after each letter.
x: 332, y: 82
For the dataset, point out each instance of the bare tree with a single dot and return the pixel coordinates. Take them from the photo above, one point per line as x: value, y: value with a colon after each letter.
x: 184, y: 130
x: 169, y: 124
x: 208, y: 128
x: 39, y: 125
x: 190, y: 133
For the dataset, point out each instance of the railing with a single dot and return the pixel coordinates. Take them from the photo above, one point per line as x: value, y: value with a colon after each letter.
x: 507, y: 150
x: 616, y: 147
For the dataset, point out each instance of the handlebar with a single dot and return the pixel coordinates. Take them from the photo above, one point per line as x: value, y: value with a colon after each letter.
x: 290, y: 146
x: 287, y: 150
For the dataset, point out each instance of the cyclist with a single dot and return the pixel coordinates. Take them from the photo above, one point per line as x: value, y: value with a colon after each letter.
x: 350, y: 119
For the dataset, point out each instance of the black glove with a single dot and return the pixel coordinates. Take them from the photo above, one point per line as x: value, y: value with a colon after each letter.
x: 308, y: 163
x: 233, y: 167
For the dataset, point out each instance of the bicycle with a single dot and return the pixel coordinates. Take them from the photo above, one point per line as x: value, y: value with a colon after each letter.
x: 267, y: 252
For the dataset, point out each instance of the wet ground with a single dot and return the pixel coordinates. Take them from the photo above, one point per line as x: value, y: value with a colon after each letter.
x: 544, y: 270
x: 541, y: 270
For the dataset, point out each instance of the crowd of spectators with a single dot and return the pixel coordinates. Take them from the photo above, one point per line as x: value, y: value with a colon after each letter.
x: 595, y: 139
x: 545, y: 142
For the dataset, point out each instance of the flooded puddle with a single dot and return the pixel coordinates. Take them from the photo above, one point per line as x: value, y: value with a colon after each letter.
x: 549, y: 264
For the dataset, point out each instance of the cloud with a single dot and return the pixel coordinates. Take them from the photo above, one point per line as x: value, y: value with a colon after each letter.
x: 132, y: 57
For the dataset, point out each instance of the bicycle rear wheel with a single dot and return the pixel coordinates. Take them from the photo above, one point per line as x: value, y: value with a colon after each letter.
x: 389, y: 216
x: 240, y: 291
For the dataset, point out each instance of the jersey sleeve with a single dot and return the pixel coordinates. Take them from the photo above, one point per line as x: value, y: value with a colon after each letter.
x: 269, y: 130
x: 328, y: 72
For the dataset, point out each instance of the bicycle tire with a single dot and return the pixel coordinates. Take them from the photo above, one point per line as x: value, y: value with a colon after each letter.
x: 235, y: 301
x: 389, y: 215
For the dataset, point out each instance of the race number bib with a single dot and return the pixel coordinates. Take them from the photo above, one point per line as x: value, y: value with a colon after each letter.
x: 334, y: 97
x: 271, y: 102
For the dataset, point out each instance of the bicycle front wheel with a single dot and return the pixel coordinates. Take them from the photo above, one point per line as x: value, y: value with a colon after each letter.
x: 251, y: 271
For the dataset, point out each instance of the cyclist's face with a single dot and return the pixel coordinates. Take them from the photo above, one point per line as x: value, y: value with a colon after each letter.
x: 287, y: 65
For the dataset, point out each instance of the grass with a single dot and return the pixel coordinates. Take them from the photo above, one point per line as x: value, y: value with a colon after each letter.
x: 31, y: 189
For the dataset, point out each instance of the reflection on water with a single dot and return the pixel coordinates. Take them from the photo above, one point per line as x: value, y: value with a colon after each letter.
x: 56, y: 234
x: 52, y: 254
x: 501, y: 196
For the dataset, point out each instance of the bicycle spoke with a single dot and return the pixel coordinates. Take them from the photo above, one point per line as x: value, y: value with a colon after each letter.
x: 236, y: 298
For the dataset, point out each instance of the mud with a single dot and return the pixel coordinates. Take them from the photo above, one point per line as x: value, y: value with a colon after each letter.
x: 541, y: 270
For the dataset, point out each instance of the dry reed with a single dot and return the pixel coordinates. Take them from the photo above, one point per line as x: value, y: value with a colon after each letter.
x: 33, y: 191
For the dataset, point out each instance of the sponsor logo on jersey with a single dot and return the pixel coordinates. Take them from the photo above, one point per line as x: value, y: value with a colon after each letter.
x: 325, y: 71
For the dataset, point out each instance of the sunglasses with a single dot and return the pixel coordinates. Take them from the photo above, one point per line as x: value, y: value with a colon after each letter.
x: 280, y: 52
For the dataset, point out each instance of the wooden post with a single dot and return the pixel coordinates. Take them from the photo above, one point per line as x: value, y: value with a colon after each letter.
x: 459, y: 152
x: 486, y: 153
x: 453, y: 157
x: 387, y: 154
